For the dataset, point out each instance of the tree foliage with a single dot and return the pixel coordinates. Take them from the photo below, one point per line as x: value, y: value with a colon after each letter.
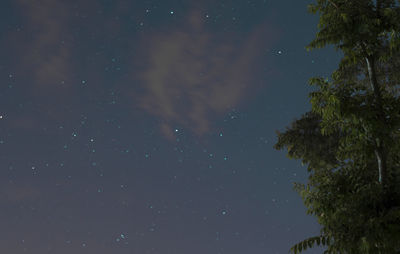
x: 350, y: 140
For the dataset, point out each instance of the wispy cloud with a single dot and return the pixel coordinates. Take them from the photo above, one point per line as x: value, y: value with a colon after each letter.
x: 45, y: 54
x: 191, y: 74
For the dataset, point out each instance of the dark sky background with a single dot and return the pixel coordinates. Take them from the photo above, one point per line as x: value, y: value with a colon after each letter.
x: 147, y: 126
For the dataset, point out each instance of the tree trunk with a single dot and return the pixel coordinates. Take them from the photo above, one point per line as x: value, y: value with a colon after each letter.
x: 380, y: 152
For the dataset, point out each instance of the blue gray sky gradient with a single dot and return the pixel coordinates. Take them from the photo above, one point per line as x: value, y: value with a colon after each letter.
x: 148, y: 126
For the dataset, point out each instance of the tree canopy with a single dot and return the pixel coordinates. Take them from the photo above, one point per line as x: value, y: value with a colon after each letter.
x: 350, y: 140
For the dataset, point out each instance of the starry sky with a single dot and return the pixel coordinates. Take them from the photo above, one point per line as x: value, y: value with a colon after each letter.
x: 147, y: 126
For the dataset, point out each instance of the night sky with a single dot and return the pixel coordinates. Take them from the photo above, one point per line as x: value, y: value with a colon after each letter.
x: 148, y: 126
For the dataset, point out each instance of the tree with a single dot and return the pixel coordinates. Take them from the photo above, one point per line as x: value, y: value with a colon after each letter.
x: 351, y: 138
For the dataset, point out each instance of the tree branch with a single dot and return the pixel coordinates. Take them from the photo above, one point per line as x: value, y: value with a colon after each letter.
x: 333, y: 4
